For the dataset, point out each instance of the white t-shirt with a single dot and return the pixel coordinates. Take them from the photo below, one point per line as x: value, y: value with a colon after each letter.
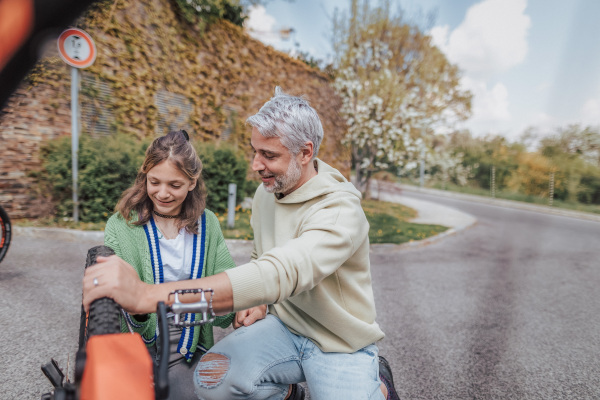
x: 176, y: 255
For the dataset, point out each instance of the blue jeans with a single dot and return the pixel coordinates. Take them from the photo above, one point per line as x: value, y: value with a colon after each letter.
x: 261, y: 361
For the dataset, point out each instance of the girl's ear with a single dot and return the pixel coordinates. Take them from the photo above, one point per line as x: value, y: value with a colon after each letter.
x: 193, y: 184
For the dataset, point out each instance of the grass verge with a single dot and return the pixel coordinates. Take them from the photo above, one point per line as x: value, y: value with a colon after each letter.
x: 388, y: 224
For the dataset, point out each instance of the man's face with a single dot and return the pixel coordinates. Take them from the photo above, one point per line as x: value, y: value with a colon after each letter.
x: 279, y: 170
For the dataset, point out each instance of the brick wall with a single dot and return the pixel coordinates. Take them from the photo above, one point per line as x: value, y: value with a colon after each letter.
x: 222, y: 72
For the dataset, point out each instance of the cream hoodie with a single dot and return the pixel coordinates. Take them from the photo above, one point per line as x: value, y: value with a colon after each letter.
x: 311, y: 263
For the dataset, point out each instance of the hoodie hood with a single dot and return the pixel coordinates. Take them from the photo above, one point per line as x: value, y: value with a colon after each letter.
x: 327, y: 180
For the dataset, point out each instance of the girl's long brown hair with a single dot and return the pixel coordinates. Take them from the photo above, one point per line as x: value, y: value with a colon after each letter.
x: 175, y: 147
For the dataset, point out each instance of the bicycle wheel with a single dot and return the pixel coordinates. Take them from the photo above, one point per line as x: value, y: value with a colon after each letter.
x: 5, y: 228
x: 104, y: 316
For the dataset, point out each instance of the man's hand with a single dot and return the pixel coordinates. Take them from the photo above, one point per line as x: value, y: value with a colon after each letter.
x: 249, y: 316
x: 112, y: 277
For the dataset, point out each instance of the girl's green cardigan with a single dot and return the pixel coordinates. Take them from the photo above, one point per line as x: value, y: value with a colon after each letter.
x: 129, y: 243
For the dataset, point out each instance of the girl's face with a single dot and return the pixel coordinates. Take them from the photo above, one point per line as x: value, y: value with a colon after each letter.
x: 168, y: 187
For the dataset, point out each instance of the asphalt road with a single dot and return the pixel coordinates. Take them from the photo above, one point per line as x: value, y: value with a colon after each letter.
x: 507, y: 308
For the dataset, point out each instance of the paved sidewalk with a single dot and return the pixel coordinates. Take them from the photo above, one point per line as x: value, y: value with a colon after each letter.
x: 429, y: 213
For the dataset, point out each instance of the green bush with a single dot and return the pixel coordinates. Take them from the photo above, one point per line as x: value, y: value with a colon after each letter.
x: 589, y: 189
x: 221, y: 165
x: 251, y: 186
x: 107, y: 166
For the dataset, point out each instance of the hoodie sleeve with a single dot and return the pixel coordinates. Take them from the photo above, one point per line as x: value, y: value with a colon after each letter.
x: 329, y: 236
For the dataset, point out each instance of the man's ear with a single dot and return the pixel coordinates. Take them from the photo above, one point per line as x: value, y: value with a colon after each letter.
x: 307, y: 152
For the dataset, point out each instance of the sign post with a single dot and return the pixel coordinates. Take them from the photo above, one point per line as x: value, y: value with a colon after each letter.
x: 78, y: 50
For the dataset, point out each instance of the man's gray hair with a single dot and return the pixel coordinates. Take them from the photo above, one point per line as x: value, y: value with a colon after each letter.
x: 291, y: 119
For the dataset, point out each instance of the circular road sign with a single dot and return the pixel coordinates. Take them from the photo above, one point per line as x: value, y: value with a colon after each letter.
x: 76, y: 48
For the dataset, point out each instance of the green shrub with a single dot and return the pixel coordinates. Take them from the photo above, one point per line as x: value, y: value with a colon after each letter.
x: 589, y: 189
x: 107, y: 166
x: 250, y: 188
x: 221, y: 165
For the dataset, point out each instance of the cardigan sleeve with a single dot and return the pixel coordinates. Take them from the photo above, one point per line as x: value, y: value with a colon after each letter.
x: 110, y: 236
x: 121, y: 238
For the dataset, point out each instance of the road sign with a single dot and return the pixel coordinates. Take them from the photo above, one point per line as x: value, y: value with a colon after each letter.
x: 76, y: 48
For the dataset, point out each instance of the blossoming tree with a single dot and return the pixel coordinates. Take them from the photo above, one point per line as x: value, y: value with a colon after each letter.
x: 397, y: 89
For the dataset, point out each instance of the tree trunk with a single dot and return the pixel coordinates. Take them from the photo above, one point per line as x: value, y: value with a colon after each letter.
x: 358, y: 176
x: 367, y: 186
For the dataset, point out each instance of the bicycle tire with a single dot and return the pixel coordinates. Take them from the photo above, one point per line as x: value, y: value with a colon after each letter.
x: 5, y: 233
x: 104, y: 316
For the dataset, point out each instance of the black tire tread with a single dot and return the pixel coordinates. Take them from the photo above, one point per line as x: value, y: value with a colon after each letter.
x: 5, y: 231
x: 104, y: 315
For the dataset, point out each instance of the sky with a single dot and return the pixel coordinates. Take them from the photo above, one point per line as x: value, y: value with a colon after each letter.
x: 528, y: 63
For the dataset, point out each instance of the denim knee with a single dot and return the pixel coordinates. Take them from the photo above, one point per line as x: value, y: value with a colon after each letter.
x: 210, y: 372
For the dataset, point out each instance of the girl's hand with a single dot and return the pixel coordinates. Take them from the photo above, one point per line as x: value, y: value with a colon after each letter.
x: 249, y: 316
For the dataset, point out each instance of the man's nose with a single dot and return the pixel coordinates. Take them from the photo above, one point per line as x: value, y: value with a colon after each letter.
x: 257, y: 164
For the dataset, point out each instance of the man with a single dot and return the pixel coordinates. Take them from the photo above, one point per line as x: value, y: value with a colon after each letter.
x: 310, y: 264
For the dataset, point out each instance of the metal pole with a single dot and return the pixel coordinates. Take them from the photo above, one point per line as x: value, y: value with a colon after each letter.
x: 231, y: 205
x: 551, y: 195
x: 422, y: 168
x: 493, y: 185
x: 75, y: 137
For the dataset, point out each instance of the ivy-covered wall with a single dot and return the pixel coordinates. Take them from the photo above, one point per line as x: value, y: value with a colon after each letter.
x: 155, y: 72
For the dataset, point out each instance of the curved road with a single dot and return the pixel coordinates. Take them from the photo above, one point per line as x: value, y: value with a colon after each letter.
x: 508, y: 308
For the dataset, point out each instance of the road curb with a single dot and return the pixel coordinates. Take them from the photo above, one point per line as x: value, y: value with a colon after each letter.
x: 424, y: 242
x: 74, y: 235
x: 71, y: 235
x: 97, y: 237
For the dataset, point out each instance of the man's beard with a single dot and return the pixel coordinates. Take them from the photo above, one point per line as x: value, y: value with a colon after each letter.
x: 286, y: 182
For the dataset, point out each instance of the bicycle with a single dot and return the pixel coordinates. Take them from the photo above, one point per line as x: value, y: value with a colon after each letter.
x: 114, y: 365
x: 5, y: 233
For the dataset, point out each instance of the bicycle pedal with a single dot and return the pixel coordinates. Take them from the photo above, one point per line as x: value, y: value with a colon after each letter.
x: 202, y: 307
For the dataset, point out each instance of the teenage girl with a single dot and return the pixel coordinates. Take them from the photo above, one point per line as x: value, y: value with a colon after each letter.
x: 162, y: 228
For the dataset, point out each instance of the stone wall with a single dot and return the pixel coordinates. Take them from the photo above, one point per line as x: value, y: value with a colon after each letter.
x: 153, y: 72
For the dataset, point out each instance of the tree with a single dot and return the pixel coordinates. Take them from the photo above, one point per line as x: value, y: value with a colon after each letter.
x: 574, y: 140
x: 532, y: 177
x: 575, y: 151
x: 203, y: 12
x: 396, y: 89
x: 483, y: 154
x: 446, y: 163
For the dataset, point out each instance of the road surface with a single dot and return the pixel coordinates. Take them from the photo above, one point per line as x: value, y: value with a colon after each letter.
x: 507, y: 308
